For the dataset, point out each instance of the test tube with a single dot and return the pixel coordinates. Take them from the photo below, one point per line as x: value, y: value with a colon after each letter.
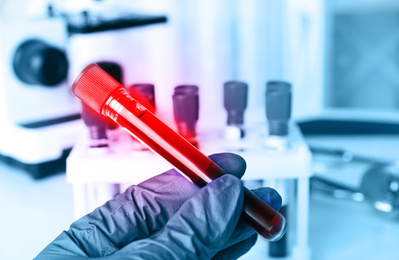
x: 235, y: 103
x: 278, y: 107
x: 105, y: 95
x: 278, y: 114
x: 97, y: 125
x: 186, y: 111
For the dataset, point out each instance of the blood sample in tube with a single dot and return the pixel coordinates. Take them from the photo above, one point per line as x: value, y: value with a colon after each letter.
x: 105, y: 95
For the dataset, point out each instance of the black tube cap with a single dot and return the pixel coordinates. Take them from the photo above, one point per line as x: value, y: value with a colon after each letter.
x: 235, y: 101
x: 186, y: 108
x: 278, y: 106
x: 113, y: 69
x: 144, y: 93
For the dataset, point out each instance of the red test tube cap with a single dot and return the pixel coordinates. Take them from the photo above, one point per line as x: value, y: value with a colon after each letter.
x: 94, y: 86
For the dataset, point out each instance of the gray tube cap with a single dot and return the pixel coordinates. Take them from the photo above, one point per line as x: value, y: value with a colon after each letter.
x: 186, y: 109
x: 235, y: 101
x: 278, y: 106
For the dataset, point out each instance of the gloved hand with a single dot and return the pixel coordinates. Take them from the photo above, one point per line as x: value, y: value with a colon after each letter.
x: 167, y: 217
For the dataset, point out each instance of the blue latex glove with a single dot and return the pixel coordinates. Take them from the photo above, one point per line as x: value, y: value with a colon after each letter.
x: 167, y: 217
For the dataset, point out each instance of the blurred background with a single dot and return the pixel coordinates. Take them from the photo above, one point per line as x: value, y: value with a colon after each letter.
x: 336, y: 166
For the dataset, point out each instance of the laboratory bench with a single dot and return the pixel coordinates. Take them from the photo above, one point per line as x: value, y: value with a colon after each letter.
x: 34, y: 212
x: 344, y: 230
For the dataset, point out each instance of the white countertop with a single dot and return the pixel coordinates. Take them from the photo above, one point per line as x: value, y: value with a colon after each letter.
x: 35, y: 212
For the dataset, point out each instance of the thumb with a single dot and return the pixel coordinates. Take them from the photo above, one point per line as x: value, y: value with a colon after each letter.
x: 200, y: 228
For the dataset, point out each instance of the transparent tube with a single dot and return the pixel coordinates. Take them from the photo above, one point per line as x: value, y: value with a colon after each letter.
x: 161, y: 139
